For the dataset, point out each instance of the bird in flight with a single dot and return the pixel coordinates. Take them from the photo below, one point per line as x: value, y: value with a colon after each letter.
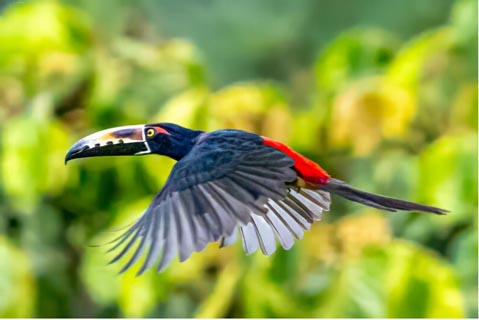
x: 224, y: 183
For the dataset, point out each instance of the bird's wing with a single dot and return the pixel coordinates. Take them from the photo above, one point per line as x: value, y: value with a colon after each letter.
x: 227, y: 178
x: 285, y: 220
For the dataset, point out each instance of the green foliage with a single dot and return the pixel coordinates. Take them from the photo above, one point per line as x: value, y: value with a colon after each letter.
x: 390, y: 113
x: 395, y: 281
x: 17, y: 286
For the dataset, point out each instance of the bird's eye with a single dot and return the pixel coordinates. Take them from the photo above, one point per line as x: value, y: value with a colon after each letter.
x: 150, y: 132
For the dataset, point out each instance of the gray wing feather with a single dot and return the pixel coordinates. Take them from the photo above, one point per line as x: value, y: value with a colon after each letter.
x: 285, y: 219
x: 265, y: 235
x: 229, y: 240
x: 284, y: 235
x: 157, y: 239
x: 249, y: 238
x: 171, y: 241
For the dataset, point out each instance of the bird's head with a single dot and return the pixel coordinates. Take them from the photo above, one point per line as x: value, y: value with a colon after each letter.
x: 160, y: 138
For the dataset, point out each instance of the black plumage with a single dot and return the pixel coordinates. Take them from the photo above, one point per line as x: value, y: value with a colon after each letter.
x: 224, y: 184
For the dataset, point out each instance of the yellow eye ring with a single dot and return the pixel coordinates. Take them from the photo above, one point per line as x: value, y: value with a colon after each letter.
x: 150, y: 132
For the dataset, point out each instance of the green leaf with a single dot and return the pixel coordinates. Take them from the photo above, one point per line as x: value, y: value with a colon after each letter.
x: 463, y: 251
x: 450, y: 183
x: 354, y: 54
x: 33, y: 150
x: 411, y: 290
x: 393, y: 280
x: 217, y: 303
x: 405, y: 69
x: 30, y: 29
x: 257, y: 107
x: 17, y: 284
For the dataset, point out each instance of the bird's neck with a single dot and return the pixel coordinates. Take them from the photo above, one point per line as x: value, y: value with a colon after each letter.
x: 180, y: 142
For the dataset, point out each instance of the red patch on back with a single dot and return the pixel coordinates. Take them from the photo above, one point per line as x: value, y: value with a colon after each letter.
x: 306, y: 168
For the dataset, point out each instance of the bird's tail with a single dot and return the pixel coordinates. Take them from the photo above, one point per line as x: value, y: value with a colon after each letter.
x: 374, y: 200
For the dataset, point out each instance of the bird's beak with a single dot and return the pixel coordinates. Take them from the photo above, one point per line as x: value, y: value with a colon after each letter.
x: 119, y: 141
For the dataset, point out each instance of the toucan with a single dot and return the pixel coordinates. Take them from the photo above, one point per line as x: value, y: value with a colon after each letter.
x: 224, y: 183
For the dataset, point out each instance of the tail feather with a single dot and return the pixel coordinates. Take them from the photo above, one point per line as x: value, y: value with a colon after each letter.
x: 374, y: 200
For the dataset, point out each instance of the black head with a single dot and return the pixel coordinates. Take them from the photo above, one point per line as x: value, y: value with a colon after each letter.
x: 161, y: 138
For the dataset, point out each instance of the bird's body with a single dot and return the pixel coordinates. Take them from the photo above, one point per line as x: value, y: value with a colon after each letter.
x: 224, y: 182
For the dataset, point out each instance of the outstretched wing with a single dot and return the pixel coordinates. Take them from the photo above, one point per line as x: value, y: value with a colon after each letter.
x: 285, y: 220
x: 289, y: 217
x: 228, y: 177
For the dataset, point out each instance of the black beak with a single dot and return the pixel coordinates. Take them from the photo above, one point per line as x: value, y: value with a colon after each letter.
x: 120, y: 141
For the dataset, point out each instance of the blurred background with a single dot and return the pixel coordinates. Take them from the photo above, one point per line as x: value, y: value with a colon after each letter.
x: 383, y: 94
